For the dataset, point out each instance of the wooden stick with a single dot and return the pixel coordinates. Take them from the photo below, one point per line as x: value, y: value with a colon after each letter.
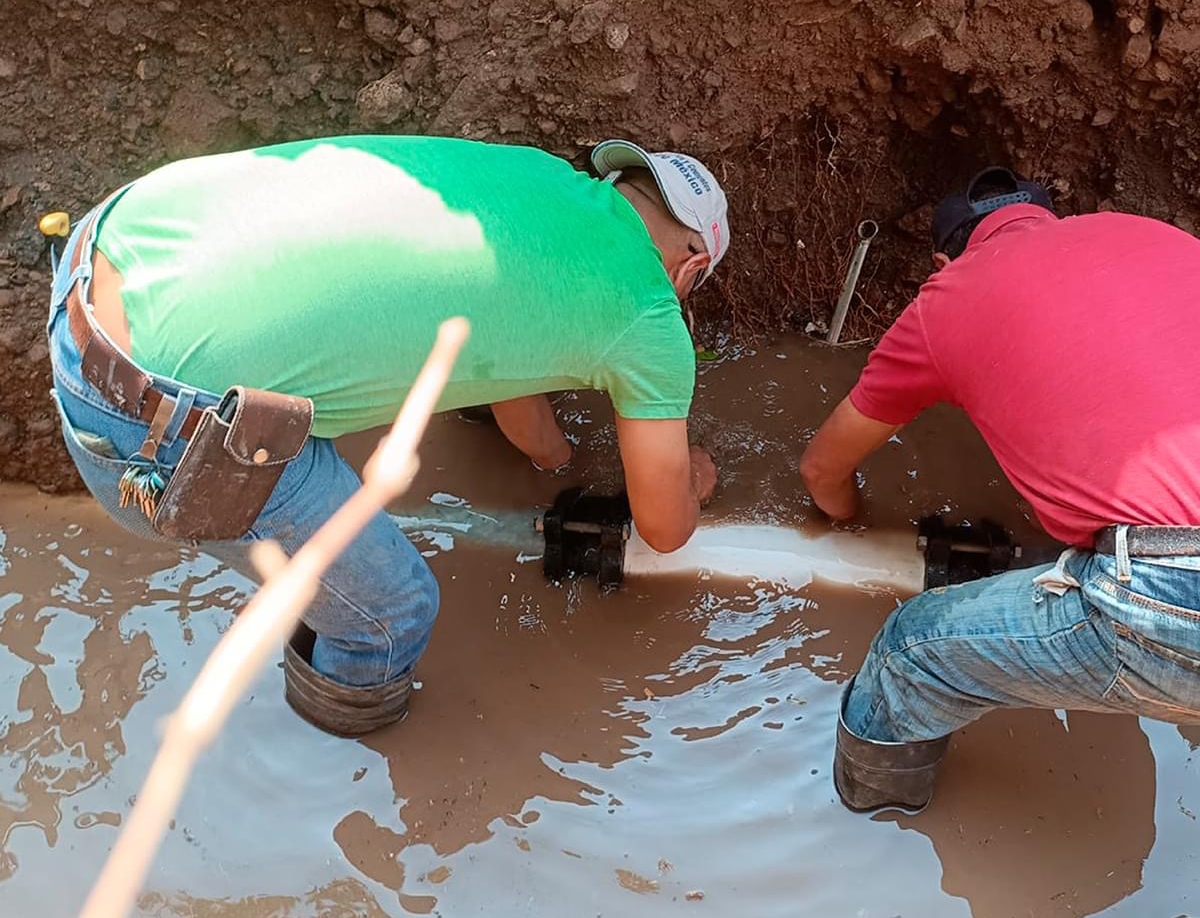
x: 267, y: 621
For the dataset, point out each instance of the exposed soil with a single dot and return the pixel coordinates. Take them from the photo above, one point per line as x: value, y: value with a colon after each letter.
x: 662, y: 749
x: 815, y: 114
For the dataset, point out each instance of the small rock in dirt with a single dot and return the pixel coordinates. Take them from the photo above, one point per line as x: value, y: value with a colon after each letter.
x: 446, y: 30
x: 1103, y: 116
x: 8, y: 68
x: 1138, y: 51
x: 499, y: 13
x: 1136, y: 24
x: 922, y: 29
x: 38, y: 352
x: 512, y: 123
x: 624, y: 85
x: 1078, y: 15
x: 1179, y: 41
x: 10, y: 198
x: 616, y: 34
x: 419, y: 46
x: 196, y: 121
x: 1162, y: 71
x: 115, y: 21
x: 588, y: 22
x: 957, y: 59
x: 130, y: 125
x: 11, y: 340
x: 384, y: 101
x: 380, y: 27
x: 149, y: 68
x: 1165, y: 94
x: 877, y: 77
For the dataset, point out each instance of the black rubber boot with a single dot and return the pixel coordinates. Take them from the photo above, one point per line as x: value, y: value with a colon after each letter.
x: 872, y: 776
x: 477, y: 414
x: 343, y: 710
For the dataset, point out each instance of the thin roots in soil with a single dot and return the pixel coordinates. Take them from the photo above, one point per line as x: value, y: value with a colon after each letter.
x: 795, y: 212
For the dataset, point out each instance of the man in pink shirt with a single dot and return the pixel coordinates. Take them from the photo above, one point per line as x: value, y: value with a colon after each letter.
x: 1072, y: 345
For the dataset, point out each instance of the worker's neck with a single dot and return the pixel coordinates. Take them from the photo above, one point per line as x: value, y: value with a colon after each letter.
x: 661, y: 226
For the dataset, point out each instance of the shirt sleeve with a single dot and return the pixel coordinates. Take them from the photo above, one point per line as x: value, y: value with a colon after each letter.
x: 650, y: 371
x: 901, y: 378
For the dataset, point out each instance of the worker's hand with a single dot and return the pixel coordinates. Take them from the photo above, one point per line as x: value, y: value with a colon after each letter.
x: 829, y: 465
x: 556, y: 468
x: 704, y: 474
x: 530, y: 426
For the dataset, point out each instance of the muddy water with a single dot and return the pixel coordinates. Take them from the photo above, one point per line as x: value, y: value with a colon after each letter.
x: 662, y: 750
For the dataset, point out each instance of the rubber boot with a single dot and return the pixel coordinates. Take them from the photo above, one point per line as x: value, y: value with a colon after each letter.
x: 871, y: 775
x: 343, y: 710
x: 477, y: 414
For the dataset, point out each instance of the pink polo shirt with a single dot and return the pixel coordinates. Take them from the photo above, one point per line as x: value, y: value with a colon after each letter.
x: 1074, y: 347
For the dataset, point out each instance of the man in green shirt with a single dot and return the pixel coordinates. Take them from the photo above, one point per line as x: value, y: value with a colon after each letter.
x: 320, y: 270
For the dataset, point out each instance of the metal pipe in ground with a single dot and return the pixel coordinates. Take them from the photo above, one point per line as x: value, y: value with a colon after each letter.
x: 867, y: 231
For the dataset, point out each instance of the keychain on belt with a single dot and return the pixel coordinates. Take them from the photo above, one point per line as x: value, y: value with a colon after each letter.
x: 143, y: 481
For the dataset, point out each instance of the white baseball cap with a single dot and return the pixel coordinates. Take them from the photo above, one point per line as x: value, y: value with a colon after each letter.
x: 690, y: 191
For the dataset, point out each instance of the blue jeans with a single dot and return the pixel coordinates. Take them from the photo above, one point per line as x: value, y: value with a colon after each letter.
x: 949, y: 655
x: 375, y: 611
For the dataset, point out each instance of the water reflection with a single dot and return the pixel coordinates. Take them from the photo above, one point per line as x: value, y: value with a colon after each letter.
x: 1067, y: 809
x: 72, y: 669
x: 338, y: 899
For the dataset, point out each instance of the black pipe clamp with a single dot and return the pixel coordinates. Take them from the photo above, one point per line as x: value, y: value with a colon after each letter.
x: 586, y: 534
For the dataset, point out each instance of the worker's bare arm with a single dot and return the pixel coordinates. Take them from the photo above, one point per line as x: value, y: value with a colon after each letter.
x: 845, y: 439
x: 666, y: 480
x: 530, y: 426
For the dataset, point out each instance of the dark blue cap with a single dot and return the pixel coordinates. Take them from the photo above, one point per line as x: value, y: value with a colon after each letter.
x: 1003, y: 187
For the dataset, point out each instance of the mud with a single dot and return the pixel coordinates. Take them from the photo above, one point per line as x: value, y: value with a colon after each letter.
x: 815, y: 115
x: 661, y: 750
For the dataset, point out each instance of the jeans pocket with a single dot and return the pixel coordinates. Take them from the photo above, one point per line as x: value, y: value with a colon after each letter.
x: 1155, y: 679
x: 101, y: 469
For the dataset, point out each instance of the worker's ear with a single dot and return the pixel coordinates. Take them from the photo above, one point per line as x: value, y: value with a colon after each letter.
x: 689, y: 271
x: 940, y: 260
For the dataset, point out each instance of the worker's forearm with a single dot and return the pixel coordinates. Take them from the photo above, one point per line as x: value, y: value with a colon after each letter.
x: 530, y: 426
x: 837, y: 497
x: 668, y: 535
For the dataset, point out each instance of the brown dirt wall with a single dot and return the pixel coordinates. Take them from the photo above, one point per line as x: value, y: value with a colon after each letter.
x: 815, y: 113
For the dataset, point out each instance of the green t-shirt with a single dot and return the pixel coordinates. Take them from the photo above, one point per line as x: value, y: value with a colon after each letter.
x: 323, y: 267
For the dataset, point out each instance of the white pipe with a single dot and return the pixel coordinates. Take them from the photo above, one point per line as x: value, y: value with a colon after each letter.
x: 871, y: 559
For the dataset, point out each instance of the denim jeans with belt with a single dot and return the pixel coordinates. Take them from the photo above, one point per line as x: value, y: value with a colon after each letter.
x: 1126, y: 639
x: 376, y: 608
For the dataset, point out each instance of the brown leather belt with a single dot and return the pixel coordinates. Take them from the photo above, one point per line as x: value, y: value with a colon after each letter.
x: 1152, y: 541
x: 123, y: 384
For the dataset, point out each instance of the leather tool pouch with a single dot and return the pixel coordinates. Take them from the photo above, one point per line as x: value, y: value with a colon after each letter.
x: 232, y: 463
